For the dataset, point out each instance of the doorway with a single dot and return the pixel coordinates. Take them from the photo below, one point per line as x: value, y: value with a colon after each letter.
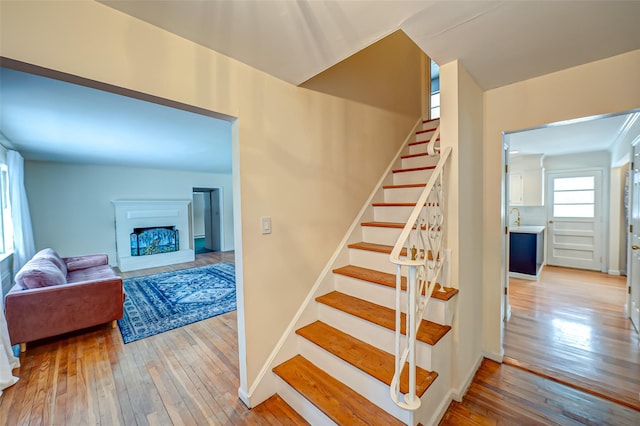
x: 574, y: 234
x: 207, y: 220
x: 558, y: 319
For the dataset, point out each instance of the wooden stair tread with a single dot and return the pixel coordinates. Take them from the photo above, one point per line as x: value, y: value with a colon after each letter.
x: 368, y: 358
x: 381, y: 248
x: 407, y: 185
x: 339, y: 402
x: 396, y: 225
x: 428, y: 332
x: 394, y: 204
x: 413, y: 169
x: 389, y: 280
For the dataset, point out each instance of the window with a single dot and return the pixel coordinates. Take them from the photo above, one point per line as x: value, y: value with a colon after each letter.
x: 574, y: 197
x: 6, y: 225
x: 435, y: 91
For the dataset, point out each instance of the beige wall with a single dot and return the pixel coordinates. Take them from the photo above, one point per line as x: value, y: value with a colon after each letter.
x: 605, y: 86
x: 304, y: 158
x: 461, y: 128
x: 386, y: 74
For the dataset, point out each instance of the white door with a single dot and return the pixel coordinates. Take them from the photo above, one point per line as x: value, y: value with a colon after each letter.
x: 633, y: 278
x: 574, y: 231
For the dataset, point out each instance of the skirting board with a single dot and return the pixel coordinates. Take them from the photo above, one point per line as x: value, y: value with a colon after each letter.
x: 244, y: 397
x: 459, y: 393
x: 456, y: 394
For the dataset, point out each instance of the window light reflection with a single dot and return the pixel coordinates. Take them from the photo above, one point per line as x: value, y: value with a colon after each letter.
x: 572, y: 334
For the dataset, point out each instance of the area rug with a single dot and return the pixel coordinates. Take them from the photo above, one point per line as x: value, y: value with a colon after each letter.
x: 162, y: 302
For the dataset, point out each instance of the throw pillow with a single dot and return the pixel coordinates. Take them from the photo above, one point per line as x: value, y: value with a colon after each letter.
x: 51, y: 254
x: 39, y: 273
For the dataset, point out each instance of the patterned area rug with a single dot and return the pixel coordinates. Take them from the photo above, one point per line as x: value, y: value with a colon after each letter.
x: 162, y: 302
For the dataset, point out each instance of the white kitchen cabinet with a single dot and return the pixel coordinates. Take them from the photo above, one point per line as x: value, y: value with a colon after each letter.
x: 526, y: 176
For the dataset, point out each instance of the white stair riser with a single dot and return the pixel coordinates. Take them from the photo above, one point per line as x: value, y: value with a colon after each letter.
x: 402, y: 195
x: 386, y: 296
x: 421, y: 161
x: 420, y: 148
x: 301, y: 405
x: 418, y: 176
x: 379, y: 235
x: 420, y: 136
x: 380, y: 337
x: 430, y: 124
x: 371, y: 260
x: 397, y: 214
x: 366, y: 385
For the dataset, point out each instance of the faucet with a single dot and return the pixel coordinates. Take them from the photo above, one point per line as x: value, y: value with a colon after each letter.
x: 517, y: 210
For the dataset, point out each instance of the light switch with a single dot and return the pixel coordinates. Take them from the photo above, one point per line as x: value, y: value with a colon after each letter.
x: 266, y: 225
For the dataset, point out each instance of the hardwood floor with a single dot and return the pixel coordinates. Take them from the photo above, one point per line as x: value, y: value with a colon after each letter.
x: 570, y: 325
x: 187, y: 376
x: 505, y: 395
x: 190, y: 375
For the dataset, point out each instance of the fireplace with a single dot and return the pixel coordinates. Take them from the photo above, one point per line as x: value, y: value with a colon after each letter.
x: 147, y: 233
x: 154, y: 240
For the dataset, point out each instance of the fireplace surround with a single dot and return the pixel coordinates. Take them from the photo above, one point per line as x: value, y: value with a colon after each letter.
x: 147, y: 233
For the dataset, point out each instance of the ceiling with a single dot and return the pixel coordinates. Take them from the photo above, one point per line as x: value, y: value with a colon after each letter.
x: 78, y: 124
x: 498, y: 42
x: 586, y: 135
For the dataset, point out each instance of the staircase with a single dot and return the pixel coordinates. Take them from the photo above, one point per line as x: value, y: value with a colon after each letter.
x: 344, y: 362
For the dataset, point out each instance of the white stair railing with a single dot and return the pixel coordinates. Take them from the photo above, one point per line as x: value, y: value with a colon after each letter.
x: 419, y: 256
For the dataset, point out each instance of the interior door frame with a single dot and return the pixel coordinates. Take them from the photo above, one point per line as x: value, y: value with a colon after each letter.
x: 630, y: 271
x: 213, y: 197
x: 505, y: 224
x: 602, y: 200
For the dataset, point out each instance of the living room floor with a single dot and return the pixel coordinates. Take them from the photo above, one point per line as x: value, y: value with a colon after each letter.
x: 188, y: 375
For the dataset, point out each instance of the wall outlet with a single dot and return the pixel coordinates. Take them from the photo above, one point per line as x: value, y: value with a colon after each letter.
x: 265, y: 225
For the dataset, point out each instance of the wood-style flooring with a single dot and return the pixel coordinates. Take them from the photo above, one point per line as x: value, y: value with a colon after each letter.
x: 505, y: 395
x: 186, y: 376
x: 570, y: 325
x: 189, y: 376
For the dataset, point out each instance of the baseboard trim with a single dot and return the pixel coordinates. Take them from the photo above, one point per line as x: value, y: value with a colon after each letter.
x: 458, y: 393
x: 494, y: 356
x: 244, y: 397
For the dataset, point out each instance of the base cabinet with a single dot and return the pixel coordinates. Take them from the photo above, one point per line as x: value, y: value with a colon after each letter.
x: 525, y: 252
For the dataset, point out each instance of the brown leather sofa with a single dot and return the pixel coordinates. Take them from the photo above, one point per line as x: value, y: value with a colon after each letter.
x: 54, y: 295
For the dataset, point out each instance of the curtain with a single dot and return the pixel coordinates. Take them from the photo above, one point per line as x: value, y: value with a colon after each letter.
x: 7, y: 361
x: 23, y: 244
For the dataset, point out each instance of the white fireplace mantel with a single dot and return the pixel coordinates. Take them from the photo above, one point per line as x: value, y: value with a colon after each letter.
x: 130, y: 214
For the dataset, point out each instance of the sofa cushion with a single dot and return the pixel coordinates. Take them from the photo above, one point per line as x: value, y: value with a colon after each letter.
x: 40, y: 272
x: 50, y: 254
x: 84, y: 262
x: 95, y: 273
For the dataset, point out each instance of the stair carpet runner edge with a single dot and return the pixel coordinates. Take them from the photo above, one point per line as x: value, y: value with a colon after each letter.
x: 335, y: 399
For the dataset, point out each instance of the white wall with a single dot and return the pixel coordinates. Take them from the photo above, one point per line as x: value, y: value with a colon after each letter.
x: 606, y: 86
x: 71, y: 206
x: 461, y: 128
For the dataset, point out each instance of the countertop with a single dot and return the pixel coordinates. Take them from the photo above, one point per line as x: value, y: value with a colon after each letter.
x: 527, y: 229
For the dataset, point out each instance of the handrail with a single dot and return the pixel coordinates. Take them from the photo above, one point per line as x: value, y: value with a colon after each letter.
x: 422, y: 237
